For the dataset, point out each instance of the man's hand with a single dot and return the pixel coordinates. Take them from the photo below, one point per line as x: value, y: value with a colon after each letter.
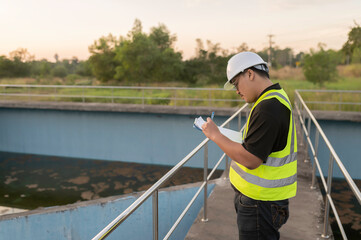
x: 233, y: 149
x: 210, y: 129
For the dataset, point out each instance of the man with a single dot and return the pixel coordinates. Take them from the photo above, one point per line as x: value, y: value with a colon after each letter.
x: 264, y: 168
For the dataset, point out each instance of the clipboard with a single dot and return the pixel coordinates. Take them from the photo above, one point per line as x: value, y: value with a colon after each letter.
x: 235, y: 136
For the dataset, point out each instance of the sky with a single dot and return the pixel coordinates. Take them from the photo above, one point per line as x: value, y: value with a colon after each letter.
x: 69, y: 27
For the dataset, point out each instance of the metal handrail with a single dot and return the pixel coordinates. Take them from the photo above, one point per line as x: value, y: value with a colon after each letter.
x: 353, y: 101
x: 304, y: 112
x: 114, y: 97
x: 153, y: 190
x: 109, y: 87
x: 55, y: 95
x: 328, y: 91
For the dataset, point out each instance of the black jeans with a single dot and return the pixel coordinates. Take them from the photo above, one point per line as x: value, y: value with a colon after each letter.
x: 259, y: 220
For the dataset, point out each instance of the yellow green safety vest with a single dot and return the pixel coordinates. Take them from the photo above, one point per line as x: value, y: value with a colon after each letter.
x: 276, y: 179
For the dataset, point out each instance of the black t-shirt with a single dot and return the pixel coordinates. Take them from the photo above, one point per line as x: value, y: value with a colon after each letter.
x: 268, y: 127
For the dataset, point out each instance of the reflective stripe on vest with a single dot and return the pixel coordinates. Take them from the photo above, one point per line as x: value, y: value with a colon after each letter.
x: 266, y: 183
x: 279, y: 172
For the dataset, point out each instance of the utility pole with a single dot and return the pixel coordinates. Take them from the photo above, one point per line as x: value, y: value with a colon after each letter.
x: 269, y: 49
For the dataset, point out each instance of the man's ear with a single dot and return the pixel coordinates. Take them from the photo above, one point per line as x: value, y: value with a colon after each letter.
x: 251, y: 74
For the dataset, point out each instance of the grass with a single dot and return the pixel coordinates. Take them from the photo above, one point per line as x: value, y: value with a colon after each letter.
x: 289, y: 78
x: 345, y: 83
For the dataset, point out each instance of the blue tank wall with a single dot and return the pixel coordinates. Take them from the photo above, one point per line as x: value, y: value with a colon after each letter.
x: 129, y: 137
x: 345, y: 137
x: 142, y: 138
x: 84, y: 222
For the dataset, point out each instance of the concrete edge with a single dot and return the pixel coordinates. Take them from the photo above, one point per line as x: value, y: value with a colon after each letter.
x: 114, y: 107
x: 100, y: 201
x: 337, y: 115
x: 159, y: 109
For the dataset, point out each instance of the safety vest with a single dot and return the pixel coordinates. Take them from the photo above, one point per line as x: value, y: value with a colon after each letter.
x: 276, y: 179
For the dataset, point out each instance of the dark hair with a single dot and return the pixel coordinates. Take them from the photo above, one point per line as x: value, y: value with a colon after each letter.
x: 259, y: 72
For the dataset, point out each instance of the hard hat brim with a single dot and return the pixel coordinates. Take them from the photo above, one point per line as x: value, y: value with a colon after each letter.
x: 228, y: 85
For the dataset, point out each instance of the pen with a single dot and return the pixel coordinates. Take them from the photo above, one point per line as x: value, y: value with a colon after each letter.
x: 212, y: 116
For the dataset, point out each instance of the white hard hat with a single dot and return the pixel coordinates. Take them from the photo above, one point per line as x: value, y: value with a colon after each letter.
x: 240, y: 62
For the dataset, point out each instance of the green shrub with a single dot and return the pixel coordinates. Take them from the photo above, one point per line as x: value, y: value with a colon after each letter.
x: 320, y: 67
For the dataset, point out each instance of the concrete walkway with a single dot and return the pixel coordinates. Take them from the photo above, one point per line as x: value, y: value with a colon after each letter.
x: 306, y: 210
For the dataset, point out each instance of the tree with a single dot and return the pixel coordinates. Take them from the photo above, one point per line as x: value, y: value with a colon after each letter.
x: 147, y: 58
x: 6, y: 67
x: 135, y: 56
x: 161, y: 37
x: 13, y: 68
x: 242, y: 48
x: 353, y: 42
x: 83, y: 68
x: 102, y: 60
x: 22, y: 55
x: 283, y: 57
x: 59, y: 71
x: 41, y: 68
x: 19, y: 65
x: 356, y: 55
x: 208, y: 66
x: 319, y: 67
x: 298, y: 59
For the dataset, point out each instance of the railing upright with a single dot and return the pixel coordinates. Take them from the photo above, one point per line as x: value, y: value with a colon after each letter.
x: 327, y: 202
x: 143, y: 97
x: 155, y: 215
x: 83, y: 97
x: 227, y: 158
x: 28, y: 91
x: 307, y: 159
x: 205, y: 174
x: 317, y: 136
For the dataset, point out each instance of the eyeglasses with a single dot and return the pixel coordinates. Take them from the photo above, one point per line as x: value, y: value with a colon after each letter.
x: 234, y: 81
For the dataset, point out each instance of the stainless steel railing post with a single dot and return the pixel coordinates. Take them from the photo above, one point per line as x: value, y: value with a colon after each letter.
x: 83, y: 90
x: 55, y: 93
x: 209, y: 98
x: 227, y: 158
x: 143, y: 97
x: 313, y: 185
x: 304, y: 139
x: 175, y: 98
x: 205, y: 173
x: 155, y: 215
x: 307, y: 157
x: 327, y: 203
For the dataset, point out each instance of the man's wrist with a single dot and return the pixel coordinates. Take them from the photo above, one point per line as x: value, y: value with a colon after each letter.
x: 215, y: 138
